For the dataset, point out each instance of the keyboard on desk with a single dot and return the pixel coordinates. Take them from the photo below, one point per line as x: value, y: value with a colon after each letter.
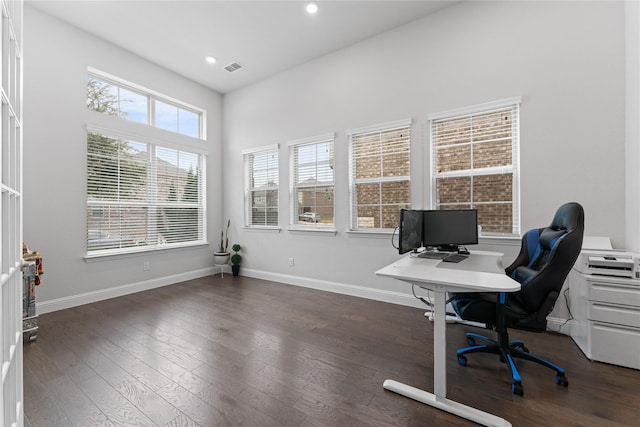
x: 433, y: 255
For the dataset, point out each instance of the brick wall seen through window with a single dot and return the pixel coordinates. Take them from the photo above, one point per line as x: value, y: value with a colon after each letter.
x: 474, y: 164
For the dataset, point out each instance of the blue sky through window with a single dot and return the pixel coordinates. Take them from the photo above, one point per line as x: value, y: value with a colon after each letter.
x: 133, y: 106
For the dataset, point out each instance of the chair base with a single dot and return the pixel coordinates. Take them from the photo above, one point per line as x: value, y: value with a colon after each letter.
x: 508, y: 350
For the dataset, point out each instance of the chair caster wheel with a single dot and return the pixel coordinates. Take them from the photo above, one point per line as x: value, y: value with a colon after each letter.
x: 562, y: 380
x: 519, y: 345
x: 517, y: 388
x: 522, y: 347
x: 462, y: 360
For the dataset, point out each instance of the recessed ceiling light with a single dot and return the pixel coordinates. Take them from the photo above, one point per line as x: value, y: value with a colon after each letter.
x: 210, y: 59
x: 311, y: 8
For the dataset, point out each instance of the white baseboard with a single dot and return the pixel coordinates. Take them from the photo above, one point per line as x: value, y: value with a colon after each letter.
x: 336, y: 287
x: 561, y: 326
x: 43, y: 307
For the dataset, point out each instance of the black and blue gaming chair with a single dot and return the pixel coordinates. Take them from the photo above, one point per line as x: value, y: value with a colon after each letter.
x: 545, y: 259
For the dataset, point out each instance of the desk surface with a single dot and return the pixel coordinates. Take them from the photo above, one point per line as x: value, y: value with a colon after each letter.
x: 480, y: 272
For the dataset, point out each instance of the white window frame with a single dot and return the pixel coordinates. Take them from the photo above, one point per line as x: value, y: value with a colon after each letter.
x: 478, y: 109
x: 120, y: 128
x: 152, y: 97
x: 353, y: 197
x: 247, y: 156
x: 294, y: 185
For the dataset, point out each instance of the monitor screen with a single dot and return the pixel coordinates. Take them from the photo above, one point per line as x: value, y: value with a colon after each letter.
x: 410, y: 236
x: 449, y: 229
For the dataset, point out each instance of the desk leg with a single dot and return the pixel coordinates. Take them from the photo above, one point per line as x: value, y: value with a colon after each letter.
x: 439, y: 350
x: 438, y: 399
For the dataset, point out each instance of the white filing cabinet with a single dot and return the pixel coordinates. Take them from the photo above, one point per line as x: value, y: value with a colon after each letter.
x: 606, y: 313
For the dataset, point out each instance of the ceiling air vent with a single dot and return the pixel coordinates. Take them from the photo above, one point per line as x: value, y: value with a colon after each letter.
x: 234, y: 66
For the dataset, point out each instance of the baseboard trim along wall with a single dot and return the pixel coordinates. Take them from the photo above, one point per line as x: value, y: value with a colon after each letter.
x: 339, y: 288
x: 118, y: 291
x: 561, y: 326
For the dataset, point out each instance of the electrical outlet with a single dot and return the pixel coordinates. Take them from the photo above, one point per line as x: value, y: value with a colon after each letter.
x: 146, y: 266
x: 291, y: 262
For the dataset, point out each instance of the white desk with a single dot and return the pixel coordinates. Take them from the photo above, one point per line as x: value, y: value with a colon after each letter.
x: 481, y: 272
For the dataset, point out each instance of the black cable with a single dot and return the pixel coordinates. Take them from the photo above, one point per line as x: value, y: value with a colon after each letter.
x: 393, y: 235
x: 427, y: 303
x: 566, y: 302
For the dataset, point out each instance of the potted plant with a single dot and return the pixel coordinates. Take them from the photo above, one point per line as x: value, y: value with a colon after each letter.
x: 236, y: 259
x: 221, y: 256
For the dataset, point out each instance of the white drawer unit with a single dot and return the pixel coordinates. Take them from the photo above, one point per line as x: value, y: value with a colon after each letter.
x: 606, y: 313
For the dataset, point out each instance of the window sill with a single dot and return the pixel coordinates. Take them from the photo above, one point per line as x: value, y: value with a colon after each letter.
x: 102, y: 256
x: 500, y: 240
x: 260, y: 228
x: 313, y: 229
x: 378, y: 233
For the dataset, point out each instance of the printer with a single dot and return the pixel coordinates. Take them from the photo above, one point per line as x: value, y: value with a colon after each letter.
x: 609, y: 263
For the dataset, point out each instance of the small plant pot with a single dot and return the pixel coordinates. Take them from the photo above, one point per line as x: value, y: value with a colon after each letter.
x: 221, y: 258
x: 235, y: 268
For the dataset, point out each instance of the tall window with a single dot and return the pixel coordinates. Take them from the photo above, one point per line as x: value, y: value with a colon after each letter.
x: 110, y: 95
x: 312, y: 181
x: 261, y: 186
x: 142, y: 195
x: 475, y: 160
x: 380, y: 160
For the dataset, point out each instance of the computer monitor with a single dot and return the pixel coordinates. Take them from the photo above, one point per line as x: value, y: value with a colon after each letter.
x: 410, y: 237
x: 449, y: 229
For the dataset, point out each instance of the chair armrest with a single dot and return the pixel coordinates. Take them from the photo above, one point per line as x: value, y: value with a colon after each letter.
x: 523, y: 275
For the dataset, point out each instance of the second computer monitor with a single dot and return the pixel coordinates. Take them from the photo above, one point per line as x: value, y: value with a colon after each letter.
x: 410, y: 237
x: 449, y: 229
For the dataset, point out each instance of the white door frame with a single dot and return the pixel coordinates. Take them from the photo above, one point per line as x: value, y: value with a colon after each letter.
x: 11, y: 392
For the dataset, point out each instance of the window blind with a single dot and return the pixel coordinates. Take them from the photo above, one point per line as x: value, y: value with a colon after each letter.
x: 142, y: 196
x: 312, y: 181
x: 380, y: 175
x: 262, y: 187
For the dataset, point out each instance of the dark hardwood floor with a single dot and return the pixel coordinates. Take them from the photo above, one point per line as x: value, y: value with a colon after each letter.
x: 241, y: 351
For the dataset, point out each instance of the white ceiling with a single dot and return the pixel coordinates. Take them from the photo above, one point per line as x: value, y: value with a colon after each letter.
x: 265, y: 37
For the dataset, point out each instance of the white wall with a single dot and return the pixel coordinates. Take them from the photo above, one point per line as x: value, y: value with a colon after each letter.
x: 566, y: 60
x: 55, y: 115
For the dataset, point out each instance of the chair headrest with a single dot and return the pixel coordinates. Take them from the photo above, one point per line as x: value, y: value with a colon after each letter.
x: 568, y: 217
